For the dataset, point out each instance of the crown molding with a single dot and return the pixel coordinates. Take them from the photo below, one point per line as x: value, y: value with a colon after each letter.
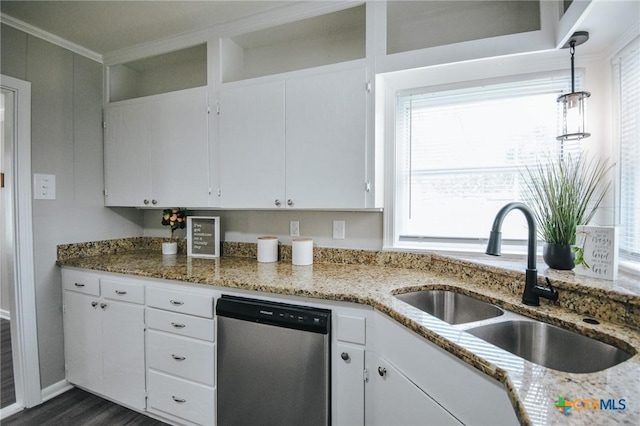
x: 51, y: 38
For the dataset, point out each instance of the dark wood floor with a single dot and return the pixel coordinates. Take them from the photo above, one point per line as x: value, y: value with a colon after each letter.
x: 7, y: 387
x: 79, y: 408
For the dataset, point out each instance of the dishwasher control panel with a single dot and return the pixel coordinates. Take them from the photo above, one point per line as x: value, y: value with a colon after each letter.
x: 273, y: 313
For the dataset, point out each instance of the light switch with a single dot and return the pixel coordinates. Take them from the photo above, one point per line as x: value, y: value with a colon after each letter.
x: 44, y: 187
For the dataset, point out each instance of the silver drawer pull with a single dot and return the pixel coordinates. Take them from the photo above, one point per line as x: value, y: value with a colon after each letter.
x: 176, y: 302
x: 94, y: 304
x: 178, y: 400
x: 176, y: 325
x: 78, y: 284
x: 178, y: 358
x: 120, y: 293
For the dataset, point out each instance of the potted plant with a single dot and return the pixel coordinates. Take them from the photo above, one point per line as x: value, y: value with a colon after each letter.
x: 176, y: 219
x: 564, y: 193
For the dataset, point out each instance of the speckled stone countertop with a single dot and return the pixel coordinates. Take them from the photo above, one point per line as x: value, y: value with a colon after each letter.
x: 372, y: 278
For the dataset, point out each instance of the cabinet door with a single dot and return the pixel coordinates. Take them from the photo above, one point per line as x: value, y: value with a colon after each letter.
x: 83, y: 340
x: 127, y: 163
x: 326, y: 140
x: 179, y: 147
x: 123, y: 352
x: 252, y: 146
x: 348, y: 398
x: 395, y: 400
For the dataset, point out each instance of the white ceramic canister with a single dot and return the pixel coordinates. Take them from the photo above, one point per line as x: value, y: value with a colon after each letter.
x: 267, y: 249
x: 302, y: 251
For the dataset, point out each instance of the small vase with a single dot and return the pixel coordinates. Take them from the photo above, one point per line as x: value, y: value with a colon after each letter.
x: 558, y: 256
x: 170, y: 248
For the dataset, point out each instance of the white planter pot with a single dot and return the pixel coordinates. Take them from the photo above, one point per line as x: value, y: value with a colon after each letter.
x: 169, y: 248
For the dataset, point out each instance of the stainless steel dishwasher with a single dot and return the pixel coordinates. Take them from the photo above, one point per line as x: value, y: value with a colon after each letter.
x: 273, y: 363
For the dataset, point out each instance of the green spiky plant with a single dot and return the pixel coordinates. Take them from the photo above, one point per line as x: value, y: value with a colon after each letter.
x: 565, y: 193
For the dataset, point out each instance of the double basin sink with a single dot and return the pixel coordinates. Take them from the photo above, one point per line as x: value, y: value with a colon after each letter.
x: 536, y: 341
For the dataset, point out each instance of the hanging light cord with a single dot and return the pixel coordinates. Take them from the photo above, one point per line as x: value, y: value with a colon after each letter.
x: 572, y: 50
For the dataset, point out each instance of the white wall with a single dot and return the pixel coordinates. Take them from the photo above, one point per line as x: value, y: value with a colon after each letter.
x: 66, y: 142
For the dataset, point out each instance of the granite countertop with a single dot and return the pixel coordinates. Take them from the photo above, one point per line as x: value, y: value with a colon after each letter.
x: 533, y: 389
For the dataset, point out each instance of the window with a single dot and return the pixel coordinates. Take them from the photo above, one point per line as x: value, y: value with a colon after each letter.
x: 459, y: 154
x: 626, y: 71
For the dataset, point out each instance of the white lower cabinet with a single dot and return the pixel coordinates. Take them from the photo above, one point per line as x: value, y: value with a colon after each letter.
x: 396, y: 400
x: 382, y: 373
x: 181, y: 356
x: 440, y: 385
x: 104, y: 337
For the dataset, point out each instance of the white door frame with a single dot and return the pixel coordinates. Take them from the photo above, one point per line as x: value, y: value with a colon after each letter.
x: 27, y: 363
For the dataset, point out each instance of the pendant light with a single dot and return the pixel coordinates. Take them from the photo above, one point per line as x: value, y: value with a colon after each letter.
x: 573, y: 104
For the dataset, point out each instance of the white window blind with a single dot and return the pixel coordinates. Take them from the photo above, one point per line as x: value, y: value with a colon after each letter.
x: 626, y: 69
x: 459, y: 153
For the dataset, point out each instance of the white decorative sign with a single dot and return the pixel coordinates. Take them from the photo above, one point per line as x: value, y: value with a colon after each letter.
x: 599, y: 256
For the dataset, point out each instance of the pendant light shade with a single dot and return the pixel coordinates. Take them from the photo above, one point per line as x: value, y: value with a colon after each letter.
x: 574, y: 103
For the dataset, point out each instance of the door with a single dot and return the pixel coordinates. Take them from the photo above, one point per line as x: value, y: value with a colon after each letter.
x: 127, y: 157
x: 326, y: 140
x: 123, y: 366
x: 348, y: 362
x: 83, y: 340
x: 179, y: 148
x: 394, y: 400
x: 16, y: 239
x: 252, y: 146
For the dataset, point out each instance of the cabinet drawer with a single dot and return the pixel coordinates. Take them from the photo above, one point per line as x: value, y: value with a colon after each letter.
x: 123, y: 291
x: 351, y: 329
x: 180, y: 398
x: 181, y: 356
x: 185, y: 325
x: 178, y: 301
x: 83, y: 283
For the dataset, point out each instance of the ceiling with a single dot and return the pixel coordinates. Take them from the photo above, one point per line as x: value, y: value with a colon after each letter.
x: 108, y: 26
x: 105, y: 27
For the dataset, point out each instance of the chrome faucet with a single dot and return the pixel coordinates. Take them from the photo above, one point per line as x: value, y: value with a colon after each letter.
x: 532, y: 291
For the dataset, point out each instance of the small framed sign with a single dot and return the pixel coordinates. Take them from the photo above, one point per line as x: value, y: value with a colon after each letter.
x: 597, y: 251
x: 203, y: 236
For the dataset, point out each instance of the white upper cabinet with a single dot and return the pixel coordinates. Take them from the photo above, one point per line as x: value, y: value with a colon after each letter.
x: 252, y: 145
x: 326, y: 140
x: 157, y: 151
x: 293, y: 115
x: 295, y: 142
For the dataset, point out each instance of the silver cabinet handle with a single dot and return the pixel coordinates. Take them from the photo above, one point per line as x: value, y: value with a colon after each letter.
x: 289, y: 202
x: 120, y: 293
x: 154, y: 202
x: 176, y: 302
x: 382, y: 371
x: 94, y: 304
x: 176, y: 325
x: 277, y: 203
x: 177, y: 357
x: 146, y: 202
x: 78, y: 284
x: 103, y: 306
x: 178, y: 400
x: 344, y: 356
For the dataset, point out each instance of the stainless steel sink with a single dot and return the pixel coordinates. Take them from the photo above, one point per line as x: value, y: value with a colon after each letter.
x: 449, y: 306
x: 551, y: 346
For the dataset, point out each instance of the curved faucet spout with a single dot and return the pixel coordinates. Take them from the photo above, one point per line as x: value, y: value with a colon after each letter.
x: 532, y: 292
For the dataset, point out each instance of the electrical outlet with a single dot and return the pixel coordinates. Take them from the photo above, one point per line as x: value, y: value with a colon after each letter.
x: 294, y: 228
x: 338, y: 229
